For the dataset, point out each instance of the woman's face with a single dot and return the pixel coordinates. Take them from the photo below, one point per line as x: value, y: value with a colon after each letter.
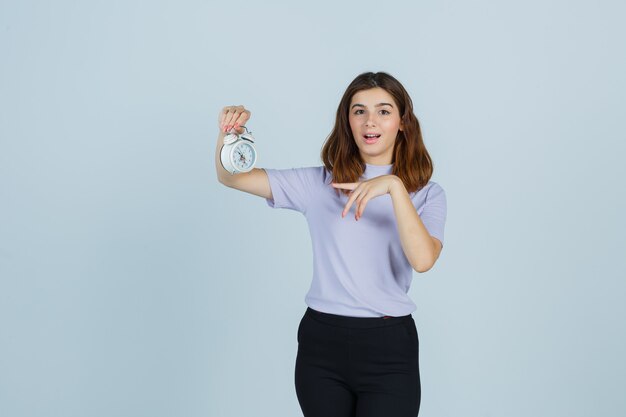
x: 375, y: 112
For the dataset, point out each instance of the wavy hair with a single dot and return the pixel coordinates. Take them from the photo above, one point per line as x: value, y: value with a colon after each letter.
x: 340, y: 154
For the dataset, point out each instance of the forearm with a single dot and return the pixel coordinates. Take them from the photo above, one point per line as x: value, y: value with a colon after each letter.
x: 222, y: 174
x: 417, y: 244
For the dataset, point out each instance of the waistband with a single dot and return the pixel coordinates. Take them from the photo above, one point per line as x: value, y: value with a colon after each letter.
x: 356, y: 322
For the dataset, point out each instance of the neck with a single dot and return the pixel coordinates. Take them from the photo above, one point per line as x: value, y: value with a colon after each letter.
x: 377, y: 161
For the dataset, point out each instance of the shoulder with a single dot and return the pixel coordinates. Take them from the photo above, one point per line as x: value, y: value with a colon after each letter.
x: 435, y: 195
x: 434, y: 187
x: 430, y: 188
x: 429, y: 193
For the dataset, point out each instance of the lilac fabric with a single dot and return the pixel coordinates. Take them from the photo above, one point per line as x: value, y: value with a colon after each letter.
x: 359, y: 267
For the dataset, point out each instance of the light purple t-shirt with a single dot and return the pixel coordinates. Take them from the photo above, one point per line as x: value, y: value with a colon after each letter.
x: 359, y: 267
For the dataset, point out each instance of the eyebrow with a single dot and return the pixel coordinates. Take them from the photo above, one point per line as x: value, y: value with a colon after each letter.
x: 378, y: 105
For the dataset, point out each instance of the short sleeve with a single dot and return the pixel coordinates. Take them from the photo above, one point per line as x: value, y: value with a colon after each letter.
x: 435, y: 210
x: 291, y: 188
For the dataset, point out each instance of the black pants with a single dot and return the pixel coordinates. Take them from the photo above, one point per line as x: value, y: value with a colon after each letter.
x: 357, y: 366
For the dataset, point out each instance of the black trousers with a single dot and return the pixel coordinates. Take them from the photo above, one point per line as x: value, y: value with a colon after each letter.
x: 357, y: 366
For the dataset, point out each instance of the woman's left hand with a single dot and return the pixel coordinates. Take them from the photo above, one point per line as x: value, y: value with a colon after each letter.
x: 364, y: 191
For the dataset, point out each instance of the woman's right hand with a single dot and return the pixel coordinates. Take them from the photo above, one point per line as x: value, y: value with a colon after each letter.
x: 233, y: 117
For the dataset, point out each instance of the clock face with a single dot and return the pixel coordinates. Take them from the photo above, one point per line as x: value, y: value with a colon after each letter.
x: 243, y: 156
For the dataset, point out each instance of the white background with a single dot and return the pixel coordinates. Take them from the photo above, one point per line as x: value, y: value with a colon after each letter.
x: 132, y: 283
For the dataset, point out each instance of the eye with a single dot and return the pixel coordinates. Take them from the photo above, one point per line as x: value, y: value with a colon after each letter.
x: 386, y: 112
x: 357, y: 112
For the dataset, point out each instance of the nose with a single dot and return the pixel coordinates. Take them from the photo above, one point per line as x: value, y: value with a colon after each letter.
x: 370, y: 121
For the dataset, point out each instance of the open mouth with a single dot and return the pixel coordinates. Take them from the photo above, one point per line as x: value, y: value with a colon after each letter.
x: 371, y: 138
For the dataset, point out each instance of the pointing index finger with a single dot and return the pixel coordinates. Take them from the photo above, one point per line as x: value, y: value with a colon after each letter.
x: 345, y: 185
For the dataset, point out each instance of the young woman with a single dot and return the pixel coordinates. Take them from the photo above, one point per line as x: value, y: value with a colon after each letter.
x: 358, y: 346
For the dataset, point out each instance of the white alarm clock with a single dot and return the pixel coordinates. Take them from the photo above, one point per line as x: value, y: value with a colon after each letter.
x: 238, y: 154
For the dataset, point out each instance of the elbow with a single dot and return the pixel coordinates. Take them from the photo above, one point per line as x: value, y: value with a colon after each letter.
x: 423, y: 265
x: 224, y: 181
x: 422, y: 268
x: 427, y: 260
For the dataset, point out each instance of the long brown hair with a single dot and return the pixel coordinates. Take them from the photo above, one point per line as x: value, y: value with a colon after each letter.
x: 411, y: 162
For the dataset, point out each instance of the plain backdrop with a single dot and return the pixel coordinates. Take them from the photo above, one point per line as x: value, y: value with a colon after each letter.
x: 133, y: 284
